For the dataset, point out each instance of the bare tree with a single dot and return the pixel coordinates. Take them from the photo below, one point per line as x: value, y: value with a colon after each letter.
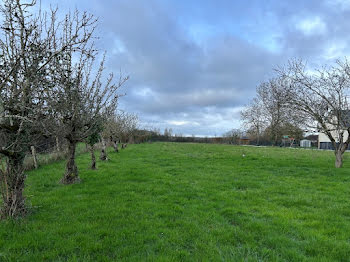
x: 233, y: 136
x: 168, y: 132
x: 270, y: 113
x: 273, y: 97
x: 103, y: 155
x: 128, y: 124
x: 321, y: 97
x: 111, y: 133
x: 253, y: 118
x: 120, y: 128
x: 28, y: 43
x: 82, y: 101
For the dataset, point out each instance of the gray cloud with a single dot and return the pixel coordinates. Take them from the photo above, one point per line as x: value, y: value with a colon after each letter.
x: 193, y: 67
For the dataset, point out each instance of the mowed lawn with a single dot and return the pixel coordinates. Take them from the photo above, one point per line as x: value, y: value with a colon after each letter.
x: 188, y: 202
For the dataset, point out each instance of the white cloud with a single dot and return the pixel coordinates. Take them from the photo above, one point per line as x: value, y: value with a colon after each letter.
x: 312, y: 26
x: 177, y: 123
x: 144, y: 92
x: 118, y: 46
x: 336, y: 4
x: 335, y: 50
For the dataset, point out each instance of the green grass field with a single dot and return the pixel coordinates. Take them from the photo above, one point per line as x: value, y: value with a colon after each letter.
x: 188, y: 202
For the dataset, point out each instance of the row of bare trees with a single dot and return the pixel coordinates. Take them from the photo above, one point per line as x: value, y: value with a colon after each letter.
x: 316, y: 100
x: 51, y: 84
x: 117, y: 128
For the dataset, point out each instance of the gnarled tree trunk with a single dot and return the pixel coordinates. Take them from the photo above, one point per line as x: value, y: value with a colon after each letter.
x: 12, y: 185
x: 93, y: 158
x: 71, y: 175
x: 339, y: 151
x: 103, y: 155
x: 115, y: 145
x: 338, y: 158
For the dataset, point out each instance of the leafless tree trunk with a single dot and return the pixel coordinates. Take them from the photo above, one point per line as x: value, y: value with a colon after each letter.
x: 338, y: 159
x: 257, y: 136
x: 339, y: 150
x: 103, y: 155
x: 93, y: 158
x: 12, y: 185
x: 71, y: 175
x: 115, y: 146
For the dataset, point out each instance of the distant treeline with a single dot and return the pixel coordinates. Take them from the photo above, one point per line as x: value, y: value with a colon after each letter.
x: 233, y: 137
x: 141, y: 136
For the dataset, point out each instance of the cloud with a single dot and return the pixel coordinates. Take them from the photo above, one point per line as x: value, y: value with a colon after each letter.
x: 193, y: 67
x: 338, y: 4
x: 180, y: 123
x: 311, y: 26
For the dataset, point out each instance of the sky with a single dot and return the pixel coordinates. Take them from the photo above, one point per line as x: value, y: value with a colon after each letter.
x: 194, y: 64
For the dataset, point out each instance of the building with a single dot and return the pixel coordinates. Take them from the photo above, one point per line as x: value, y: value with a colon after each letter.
x: 244, y: 140
x: 313, y: 139
x: 338, y: 123
x: 305, y: 143
x: 325, y: 143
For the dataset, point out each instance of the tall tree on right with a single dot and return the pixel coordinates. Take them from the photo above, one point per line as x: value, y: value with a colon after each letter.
x: 322, y: 98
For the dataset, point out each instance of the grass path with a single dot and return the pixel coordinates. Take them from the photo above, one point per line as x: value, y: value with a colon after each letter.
x: 188, y: 202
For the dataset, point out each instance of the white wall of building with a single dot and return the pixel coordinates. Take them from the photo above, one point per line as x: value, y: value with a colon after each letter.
x: 324, y: 138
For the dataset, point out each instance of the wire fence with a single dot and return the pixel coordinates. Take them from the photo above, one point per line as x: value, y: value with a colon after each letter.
x: 51, y: 151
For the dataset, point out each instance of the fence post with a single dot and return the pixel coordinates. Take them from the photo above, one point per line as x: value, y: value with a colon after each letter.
x: 34, y: 157
x: 58, y: 149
